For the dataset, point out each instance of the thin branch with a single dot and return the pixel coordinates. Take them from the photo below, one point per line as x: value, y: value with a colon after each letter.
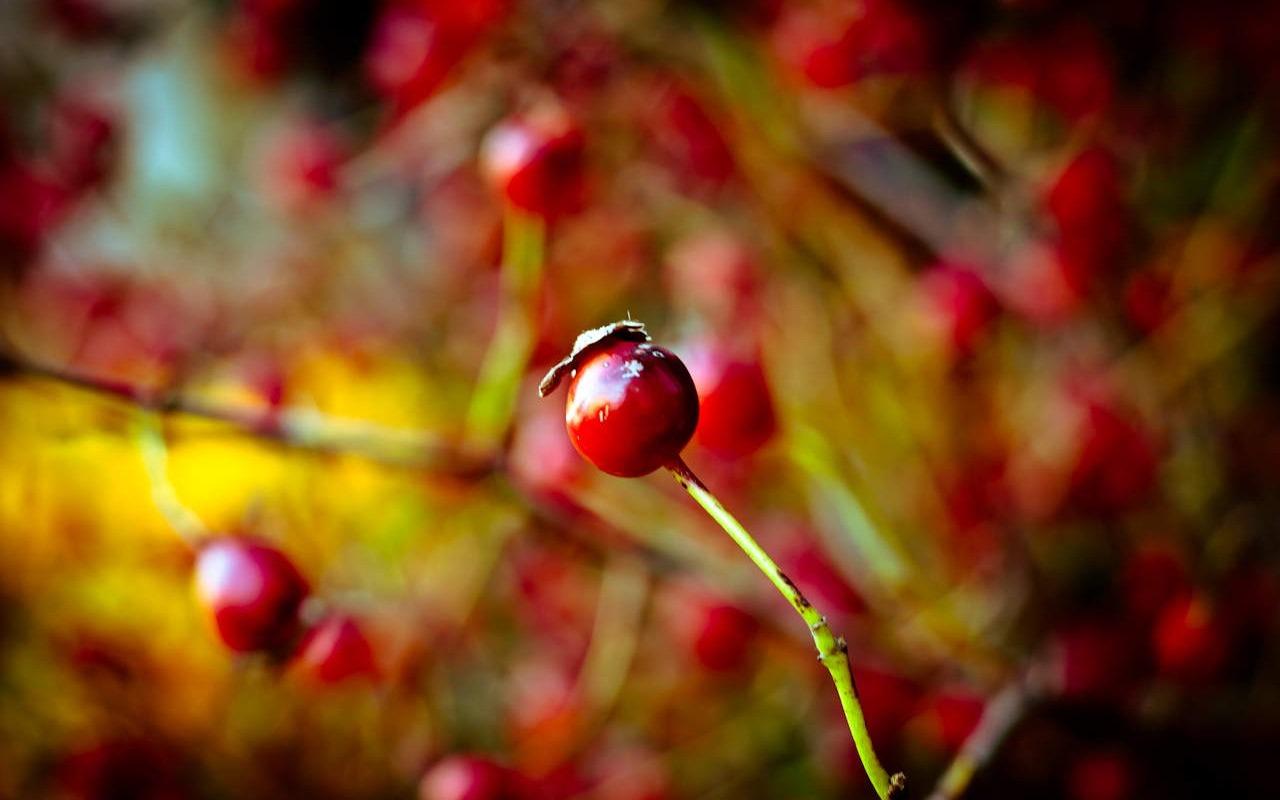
x: 833, y: 653
x: 299, y: 428
x: 1001, y: 716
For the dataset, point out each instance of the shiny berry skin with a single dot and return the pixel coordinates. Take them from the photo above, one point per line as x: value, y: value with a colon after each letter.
x: 336, y: 650
x: 537, y: 162
x: 466, y: 778
x: 632, y: 408
x: 737, y: 416
x: 253, y: 593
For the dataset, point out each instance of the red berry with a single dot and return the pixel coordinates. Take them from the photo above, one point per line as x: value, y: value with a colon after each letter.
x: 466, y: 778
x: 631, y: 409
x: 1190, y: 640
x: 1102, y: 776
x: 1096, y: 659
x: 1115, y: 467
x: 1077, y: 73
x: 1153, y: 575
x: 252, y: 591
x: 632, y: 405
x: 950, y: 716
x: 143, y: 769
x: 715, y: 275
x: 737, y: 416
x: 538, y: 162
x: 957, y: 305
x: 724, y: 638
x: 411, y: 53
x: 336, y: 650
x: 1087, y: 202
x: 300, y: 166
x: 691, y: 140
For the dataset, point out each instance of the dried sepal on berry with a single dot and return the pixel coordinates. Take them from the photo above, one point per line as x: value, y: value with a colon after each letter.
x: 627, y: 330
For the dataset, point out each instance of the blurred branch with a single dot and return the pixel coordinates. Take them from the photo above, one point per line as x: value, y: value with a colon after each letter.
x: 624, y: 594
x: 303, y: 429
x: 966, y: 148
x: 494, y: 402
x: 1001, y: 716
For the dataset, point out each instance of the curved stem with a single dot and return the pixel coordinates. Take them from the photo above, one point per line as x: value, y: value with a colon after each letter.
x: 1001, y: 716
x: 832, y: 650
x: 494, y: 402
x: 155, y: 457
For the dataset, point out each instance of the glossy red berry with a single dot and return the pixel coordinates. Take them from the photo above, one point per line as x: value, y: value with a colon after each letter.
x: 336, y: 650
x: 464, y: 777
x: 252, y: 591
x: 538, y: 162
x: 632, y: 408
x: 737, y: 416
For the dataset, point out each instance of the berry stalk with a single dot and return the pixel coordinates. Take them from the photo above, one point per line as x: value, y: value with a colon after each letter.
x: 832, y: 650
x: 155, y: 458
x: 494, y: 402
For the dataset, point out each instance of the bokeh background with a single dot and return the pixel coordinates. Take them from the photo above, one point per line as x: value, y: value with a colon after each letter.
x: 981, y: 300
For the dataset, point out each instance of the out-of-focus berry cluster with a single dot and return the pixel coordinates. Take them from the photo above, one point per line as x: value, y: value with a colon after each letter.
x: 979, y: 298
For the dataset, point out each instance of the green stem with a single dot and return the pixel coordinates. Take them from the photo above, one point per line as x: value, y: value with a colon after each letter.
x: 155, y: 457
x: 494, y: 402
x: 832, y: 650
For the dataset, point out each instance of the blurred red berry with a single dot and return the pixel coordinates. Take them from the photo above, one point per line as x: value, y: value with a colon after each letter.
x: 958, y: 305
x: 814, y: 47
x: 1102, y: 775
x: 136, y: 768
x: 538, y: 162
x: 950, y: 716
x: 336, y: 650
x: 691, y: 140
x: 82, y: 143
x: 1045, y: 283
x: 715, y: 275
x: 415, y: 46
x: 737, y: 416
x: 876, y: 37
x: 541, y: 456
x: 1098, y: 661
x: 301, y: 166
x: 1087, y: 197
x: 818, y: 578
x: 724, y: 636
x: 466, y: 777
x: 252, y: 591
x: 1190, y: 639
x: 1153, y: 574
x: 1078, y: 76
x: 632, y: 407
x: 888, y: 700
x: 32, y: 203
x: 1115, y: 464
x: 1148, y: 301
